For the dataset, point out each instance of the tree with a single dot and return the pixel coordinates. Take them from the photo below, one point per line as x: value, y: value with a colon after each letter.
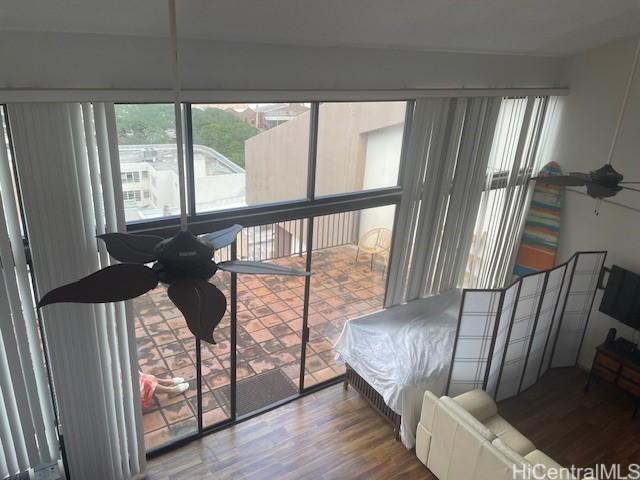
x: 140, y: 124
x: 222, y: 131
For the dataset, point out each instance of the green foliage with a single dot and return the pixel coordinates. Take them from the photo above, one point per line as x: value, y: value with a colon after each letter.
x: 222, y: 131
x: 144, y: 124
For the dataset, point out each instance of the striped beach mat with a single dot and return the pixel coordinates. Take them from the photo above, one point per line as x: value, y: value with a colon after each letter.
x: 539, y: 244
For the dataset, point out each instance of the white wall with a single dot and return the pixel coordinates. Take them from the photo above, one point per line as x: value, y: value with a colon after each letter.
x: 381, y: 170
x: 588, y: 117
x: 66, y: 60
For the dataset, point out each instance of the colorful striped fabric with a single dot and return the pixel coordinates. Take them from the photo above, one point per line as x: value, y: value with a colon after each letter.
x: 539, y: 244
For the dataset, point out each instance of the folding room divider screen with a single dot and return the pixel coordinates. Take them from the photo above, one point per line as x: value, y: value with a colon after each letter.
x: 508, y: 338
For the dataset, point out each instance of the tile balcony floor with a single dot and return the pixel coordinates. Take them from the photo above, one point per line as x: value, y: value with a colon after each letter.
x: 269, y: 335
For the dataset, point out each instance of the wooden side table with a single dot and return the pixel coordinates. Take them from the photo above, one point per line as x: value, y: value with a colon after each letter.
x: 619, y: 366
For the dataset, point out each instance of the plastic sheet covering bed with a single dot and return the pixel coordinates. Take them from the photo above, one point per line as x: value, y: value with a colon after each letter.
x: 403, y: 351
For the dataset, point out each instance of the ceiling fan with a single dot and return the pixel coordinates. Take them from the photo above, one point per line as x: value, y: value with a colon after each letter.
x: 183, y: 262
x: 605, y: 181
x: 601, y: 183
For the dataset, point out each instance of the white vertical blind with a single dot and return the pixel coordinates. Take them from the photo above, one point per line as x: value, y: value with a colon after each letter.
x: 515, y: 155
x: 447, y: 157
x: 66, y: 162
x: 27, y: 427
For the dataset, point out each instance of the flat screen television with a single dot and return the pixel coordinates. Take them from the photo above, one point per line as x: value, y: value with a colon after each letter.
x: 621, y: 299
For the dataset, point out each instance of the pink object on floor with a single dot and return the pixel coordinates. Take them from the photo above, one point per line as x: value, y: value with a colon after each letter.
x: 148, y: 384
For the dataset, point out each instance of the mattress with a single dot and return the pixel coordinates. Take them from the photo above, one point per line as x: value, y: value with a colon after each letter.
x: 403, y: 351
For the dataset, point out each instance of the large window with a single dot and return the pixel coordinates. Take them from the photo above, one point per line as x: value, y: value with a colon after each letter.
x: 249, y: 154
x: 253, y: 164
x: 148, y: 160
x: 359, y: 145
x: 514, y: 157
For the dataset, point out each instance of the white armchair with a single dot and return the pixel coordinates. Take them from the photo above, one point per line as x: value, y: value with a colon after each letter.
x: 465, y: 439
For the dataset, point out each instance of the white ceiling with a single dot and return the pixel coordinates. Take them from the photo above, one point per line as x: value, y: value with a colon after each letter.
x: 556, y: 27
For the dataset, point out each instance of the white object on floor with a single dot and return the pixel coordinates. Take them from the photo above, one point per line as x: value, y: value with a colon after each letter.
x: 177, y: 380
x: 183, y: 387
x: 403, y: 351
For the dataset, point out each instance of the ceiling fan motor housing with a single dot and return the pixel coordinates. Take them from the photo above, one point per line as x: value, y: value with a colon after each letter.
x: 184, y: 256
x: 606, y: 176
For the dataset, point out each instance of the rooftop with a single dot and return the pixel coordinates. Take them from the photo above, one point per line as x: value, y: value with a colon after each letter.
x: 165, y: 157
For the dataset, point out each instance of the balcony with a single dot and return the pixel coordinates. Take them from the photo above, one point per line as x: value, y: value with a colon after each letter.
x: 269, y: 327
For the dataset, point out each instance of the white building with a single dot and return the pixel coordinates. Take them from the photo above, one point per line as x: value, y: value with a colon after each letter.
x: 150, y: 180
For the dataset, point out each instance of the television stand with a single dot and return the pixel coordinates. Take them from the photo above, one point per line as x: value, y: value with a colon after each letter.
x: 618, y: 363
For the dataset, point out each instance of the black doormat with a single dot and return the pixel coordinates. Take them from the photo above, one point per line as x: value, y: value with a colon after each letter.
x: 257, y: 392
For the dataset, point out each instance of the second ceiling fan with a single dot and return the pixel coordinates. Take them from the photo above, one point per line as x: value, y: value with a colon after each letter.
x: 605, y: 181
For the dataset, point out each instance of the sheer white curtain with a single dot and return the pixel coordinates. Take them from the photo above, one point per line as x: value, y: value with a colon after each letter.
x: 442, y: 184
x: 69, y: 172
x: 516, y: 154
x: 28, y: 436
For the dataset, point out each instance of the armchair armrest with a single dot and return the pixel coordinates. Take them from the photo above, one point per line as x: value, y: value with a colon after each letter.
x: 423, y: 432
x: 429, y: 402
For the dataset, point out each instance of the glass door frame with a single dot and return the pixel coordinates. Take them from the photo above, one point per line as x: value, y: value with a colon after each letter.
x: 307, y: 209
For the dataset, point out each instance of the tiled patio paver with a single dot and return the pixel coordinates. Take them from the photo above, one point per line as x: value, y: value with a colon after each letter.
x: 269, y: 334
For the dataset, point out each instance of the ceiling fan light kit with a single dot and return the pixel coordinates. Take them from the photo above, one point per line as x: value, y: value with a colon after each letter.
x: 183, y: 262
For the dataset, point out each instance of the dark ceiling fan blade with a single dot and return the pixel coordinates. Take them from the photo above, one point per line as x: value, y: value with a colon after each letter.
x: 572, y: 180
x: 596, y: 190
x: 111, y: 284
x: 202, y: 304
x: 223, y: 237
x: 630, y: 188
x: 259, y: 268
x: 131, y: 248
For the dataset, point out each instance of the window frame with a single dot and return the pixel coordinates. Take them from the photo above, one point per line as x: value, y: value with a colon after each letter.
x: 308, y: 208
x: 255, y: 215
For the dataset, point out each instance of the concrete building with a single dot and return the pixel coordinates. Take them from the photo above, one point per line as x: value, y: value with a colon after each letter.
x: 265, y: 116
x: 359, y: 146
x: 150, y: 180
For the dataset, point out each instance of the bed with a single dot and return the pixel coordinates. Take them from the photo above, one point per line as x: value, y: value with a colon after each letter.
x: 393, y: 356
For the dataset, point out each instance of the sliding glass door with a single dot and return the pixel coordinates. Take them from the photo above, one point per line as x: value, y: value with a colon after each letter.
x: 315, y: 187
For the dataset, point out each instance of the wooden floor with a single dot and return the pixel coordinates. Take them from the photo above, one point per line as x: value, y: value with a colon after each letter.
x: 575, y: 428
x: 335, y: 435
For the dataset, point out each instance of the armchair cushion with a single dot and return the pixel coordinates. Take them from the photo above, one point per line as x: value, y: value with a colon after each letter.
x: 509, y: 435
x: 537, y: 457
x: 540, y: 458
x: 514, y: 457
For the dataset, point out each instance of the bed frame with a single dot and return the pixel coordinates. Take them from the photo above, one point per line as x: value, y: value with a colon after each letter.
x: 374, y: 398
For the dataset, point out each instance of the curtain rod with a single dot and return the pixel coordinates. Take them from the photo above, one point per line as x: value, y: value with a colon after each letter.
x: 270, y: 95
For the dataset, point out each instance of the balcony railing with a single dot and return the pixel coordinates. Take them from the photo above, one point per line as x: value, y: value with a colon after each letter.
x: 283, y: 239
